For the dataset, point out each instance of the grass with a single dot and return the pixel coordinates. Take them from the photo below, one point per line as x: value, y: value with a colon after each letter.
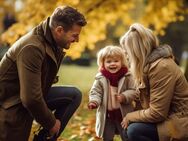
x: 81, y: 77
x: 81, y: 127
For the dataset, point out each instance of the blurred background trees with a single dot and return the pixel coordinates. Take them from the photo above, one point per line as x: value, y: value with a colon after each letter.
x: 99, y: 13
x: 107, y: 21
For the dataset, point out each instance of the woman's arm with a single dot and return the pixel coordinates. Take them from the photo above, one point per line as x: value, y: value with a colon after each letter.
x: 162, y: 82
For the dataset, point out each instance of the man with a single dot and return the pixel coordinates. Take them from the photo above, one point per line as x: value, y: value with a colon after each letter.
x: 27, y: 72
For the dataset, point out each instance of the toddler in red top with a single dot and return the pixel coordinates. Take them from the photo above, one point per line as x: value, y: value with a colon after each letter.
x: 111, y: 93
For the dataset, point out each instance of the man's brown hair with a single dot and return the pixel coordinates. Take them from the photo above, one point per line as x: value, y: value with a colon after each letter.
x: 66, y: 17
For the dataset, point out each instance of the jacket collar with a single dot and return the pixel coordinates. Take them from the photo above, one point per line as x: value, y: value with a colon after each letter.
x: 52, y: 49
x: 164, y: 51
x: 47, y: 34
x: 121, y: 83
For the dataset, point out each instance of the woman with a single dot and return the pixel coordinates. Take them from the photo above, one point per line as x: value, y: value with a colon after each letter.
x: 163, y: 89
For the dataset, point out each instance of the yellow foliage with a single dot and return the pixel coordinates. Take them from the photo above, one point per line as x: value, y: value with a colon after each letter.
x: 160, y: 14
x: 99, y: 14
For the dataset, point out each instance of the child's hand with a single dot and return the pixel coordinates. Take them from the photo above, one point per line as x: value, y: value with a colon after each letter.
x: 92, y: 105
x: 120, y: 98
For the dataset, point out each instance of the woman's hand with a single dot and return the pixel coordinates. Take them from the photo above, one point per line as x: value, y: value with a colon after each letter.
x: 125, y: 123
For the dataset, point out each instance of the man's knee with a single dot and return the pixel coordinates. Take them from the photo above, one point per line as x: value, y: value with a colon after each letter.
x: 78, y: 94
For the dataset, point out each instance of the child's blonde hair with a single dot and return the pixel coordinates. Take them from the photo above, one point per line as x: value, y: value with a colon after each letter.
x: 110, y: 51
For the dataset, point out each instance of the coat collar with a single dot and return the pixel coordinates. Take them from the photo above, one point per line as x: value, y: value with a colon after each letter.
x: 55, y: 52
x: 121, y: 81
x: 52, y: 48
x: 47, y: 34
x: 164, y: 51
x: 50, y: 52
x: 121, y: 84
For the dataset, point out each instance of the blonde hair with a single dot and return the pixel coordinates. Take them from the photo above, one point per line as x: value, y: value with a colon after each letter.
x: 110, y: 51
x: 138, y: 42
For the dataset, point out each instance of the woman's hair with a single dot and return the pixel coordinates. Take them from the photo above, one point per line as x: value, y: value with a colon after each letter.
x: 110, y: 51
x: 66, y: 17
x: 138, y: 42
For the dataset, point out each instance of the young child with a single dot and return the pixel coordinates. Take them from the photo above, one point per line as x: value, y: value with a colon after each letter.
x: 112, y: 93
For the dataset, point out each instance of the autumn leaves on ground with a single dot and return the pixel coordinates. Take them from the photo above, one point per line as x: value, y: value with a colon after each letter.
x: 82, y: 125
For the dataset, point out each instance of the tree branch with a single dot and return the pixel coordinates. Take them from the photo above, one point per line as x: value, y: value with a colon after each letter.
x: 96, y: 6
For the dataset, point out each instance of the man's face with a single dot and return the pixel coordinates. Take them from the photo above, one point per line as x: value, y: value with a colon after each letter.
x: 64, y: 39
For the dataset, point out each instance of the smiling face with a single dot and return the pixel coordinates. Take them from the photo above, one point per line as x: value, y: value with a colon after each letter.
x: 65, y: 38
x: 112, y: 64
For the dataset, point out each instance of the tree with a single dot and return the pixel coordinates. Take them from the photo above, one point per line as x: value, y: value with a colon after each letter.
x: 100, y: 13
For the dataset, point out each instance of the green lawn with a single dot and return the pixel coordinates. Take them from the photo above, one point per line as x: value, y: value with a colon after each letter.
x: 81, y: 77
x: 82, y: 125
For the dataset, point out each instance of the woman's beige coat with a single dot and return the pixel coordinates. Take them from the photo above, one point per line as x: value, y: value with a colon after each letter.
x: 99, y: 94
x: 167, y: 101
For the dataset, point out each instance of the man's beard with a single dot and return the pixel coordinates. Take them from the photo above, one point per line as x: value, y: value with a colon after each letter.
x: 64, y: 44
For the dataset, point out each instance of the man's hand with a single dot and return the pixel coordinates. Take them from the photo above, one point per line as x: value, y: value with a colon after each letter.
x: 54, y: 131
